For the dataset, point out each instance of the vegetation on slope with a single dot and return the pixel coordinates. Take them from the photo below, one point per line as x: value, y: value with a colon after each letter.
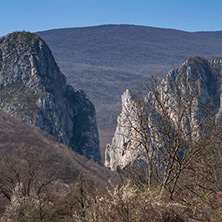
x: 34, y: 165
x: 42, y: 180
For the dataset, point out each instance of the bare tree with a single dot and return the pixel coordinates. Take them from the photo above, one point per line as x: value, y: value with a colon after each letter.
x: 24, y: 182
x: 26, y: 173
x: 171, y: 127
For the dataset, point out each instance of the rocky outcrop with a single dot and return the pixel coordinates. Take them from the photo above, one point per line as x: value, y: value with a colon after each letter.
x: 120, y: 152
x: 33, y: 89
x: 198, y: 77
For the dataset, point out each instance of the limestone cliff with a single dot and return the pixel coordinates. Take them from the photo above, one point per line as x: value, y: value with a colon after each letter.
x: 33, y: 89
x: 195, y: 76
x: 119, y: 152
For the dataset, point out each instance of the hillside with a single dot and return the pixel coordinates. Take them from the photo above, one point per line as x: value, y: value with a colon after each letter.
x: 21, y: 143
x: 105, y: 60
x: 20, y: 138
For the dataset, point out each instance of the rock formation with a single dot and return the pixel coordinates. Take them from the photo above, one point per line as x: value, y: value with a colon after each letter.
x: 199, y: 77
x: 33, y: 89
x: 119, y: 152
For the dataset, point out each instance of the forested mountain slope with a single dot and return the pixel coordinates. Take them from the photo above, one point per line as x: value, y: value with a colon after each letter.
x: 106, y: 60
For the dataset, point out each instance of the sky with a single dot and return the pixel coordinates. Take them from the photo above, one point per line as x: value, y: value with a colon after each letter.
x: 39, y: 15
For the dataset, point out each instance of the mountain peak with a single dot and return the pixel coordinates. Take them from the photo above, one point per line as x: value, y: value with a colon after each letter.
x: 197, y: 77
x: 34, y: 90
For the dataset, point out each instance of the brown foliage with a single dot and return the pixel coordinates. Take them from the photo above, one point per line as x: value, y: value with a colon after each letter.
x: 34, y: 161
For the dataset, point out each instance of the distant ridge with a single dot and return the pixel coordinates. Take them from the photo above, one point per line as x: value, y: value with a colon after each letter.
x: 122, y: 25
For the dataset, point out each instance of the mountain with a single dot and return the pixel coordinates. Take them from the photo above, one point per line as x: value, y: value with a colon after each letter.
x: 33, y: 89
x: 106, y: 60
x: 183, y: 103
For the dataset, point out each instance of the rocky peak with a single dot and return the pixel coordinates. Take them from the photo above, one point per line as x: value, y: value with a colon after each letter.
x: 119, y: 152
x: 195, y: 75
x: 33, y: 89
x: 24, y: 56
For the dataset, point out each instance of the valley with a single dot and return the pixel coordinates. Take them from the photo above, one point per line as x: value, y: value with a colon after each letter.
x: 106, y: 60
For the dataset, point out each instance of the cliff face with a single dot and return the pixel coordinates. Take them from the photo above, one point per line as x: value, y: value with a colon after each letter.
x: 197, y: 77
x: 119, y: 152
x: 33, y: 89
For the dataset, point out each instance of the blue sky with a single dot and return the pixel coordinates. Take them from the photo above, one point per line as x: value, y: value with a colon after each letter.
x: 38, y: 15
